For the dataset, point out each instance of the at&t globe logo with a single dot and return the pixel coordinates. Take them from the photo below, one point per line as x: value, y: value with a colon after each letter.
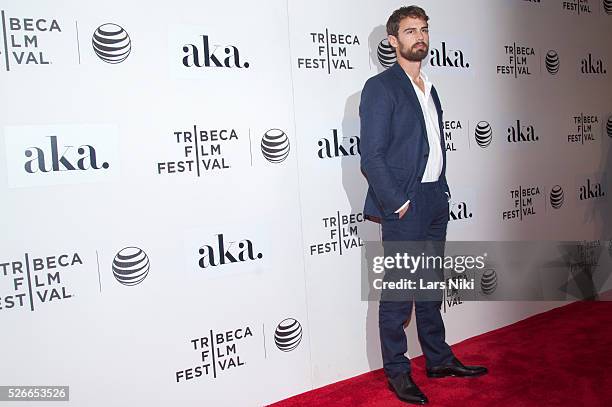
x: 488, y: 282
x: 609, y: 125
x: 556, y: 197
x: 275, y: 145
x: 607, y: 5
x: 483, y: 134
x: 111, y: 43
x: 386, y: 53
x: 552, y: 62
x: 288, y: 334
x: 131, y: 266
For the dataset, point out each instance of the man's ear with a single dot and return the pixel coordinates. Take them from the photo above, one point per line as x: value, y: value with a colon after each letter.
x: 392, y: 41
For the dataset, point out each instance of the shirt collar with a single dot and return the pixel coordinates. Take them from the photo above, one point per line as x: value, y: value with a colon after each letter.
x: 426, y: 81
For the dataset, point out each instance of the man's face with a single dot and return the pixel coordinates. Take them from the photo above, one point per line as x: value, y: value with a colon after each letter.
x: 412, y: 39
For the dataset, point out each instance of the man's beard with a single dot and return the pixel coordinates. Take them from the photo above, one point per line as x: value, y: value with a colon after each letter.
x: 414, y: 54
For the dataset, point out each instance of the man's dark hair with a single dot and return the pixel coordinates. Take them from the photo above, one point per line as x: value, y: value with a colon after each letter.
x: 401, y: 13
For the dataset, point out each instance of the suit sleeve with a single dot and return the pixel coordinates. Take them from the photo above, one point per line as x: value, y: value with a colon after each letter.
x: 375, y: 112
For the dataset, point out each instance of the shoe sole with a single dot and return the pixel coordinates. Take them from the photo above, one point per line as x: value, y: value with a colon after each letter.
x: 443, y: 375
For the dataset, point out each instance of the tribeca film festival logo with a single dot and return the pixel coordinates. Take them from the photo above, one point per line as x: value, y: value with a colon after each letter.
x: 131, y: 266
x: 578, y: 6
x: 331, y: 51
x: 224, y: 252
x: 440, y: 57
x: 452, y: 295
x: 111, y: 43
x: 453, y: 131
x: 585, y: 126
x: 288, y: 334
x: 552, y: 62
x: 217, y: 150
x: 591, y: 190
x: 523, y: 203
x: 483, y: 134
x: 520, y: 60
x: 24, y: 39
x: 337, y: 146
x: 557, y: 197
x: 32, y: 281
x: 343, y: 234
x: 591, y: 65
x: 205, y: 54
x: 216, y: 353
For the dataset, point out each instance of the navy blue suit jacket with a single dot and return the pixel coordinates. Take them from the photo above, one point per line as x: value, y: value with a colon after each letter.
x: 394, y: 146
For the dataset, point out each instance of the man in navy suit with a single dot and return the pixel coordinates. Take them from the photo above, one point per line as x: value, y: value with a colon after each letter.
x: 404, y: 160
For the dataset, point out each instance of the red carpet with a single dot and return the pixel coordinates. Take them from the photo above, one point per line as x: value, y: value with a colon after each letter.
x: 562, y: 357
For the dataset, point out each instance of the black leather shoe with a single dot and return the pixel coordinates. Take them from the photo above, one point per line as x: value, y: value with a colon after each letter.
x: 456, y: 368
x: 407, y: 390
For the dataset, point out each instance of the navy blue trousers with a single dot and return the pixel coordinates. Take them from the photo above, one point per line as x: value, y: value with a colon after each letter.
x: 426, y: 220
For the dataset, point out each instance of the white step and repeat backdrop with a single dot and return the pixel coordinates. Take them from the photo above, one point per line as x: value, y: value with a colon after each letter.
x: 181, y: 194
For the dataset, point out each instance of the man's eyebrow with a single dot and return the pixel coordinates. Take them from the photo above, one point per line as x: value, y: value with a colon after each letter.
x: 415, y: 28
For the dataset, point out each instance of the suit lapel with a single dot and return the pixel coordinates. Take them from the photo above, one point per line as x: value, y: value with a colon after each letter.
x: 436, y: 99
x: 408, y: 89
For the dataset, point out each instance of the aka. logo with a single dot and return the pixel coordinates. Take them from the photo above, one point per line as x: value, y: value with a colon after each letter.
x: 288, y: 334
x: 557, y: 197
x: 483, y: 134
x: 131, y: 266
x: 459, y: 211
x: 111, y: 43
x: 275, y: 145
x: 338, y: 146
x: 607, y: 5
x: 609, y: 124
x: 488, y: 282
x: 204, y: 57
x: 592, y: 65
x: 552, y: 62
x: 591, y: 190
x: 41, y: 160
x: 61, y: 154
x: 447, y: 58
x: 521, y: 133
x: 386, y: 53
x: 223, y: 252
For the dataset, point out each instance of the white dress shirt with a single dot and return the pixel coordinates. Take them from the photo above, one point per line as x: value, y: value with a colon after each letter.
x: 433, y: 169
